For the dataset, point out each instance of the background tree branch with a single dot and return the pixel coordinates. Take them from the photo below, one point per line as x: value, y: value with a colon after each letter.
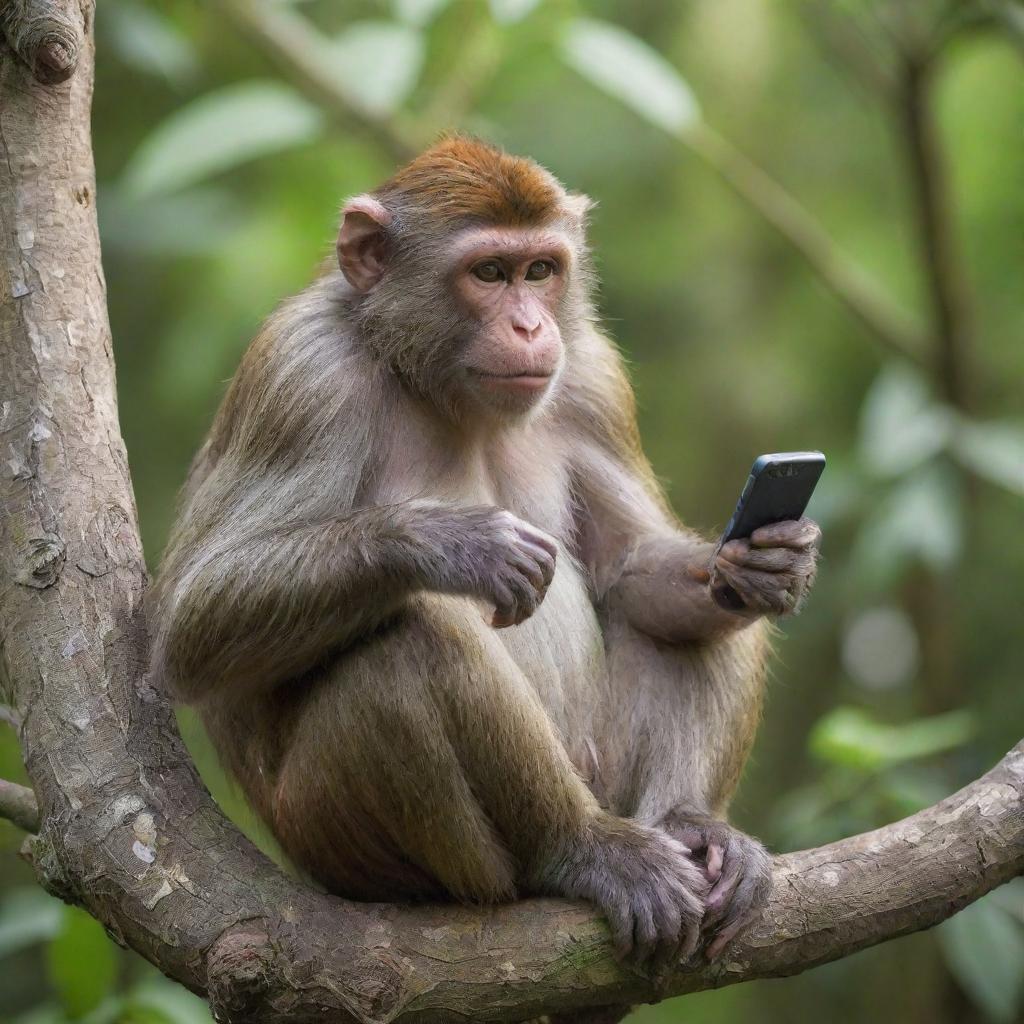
x: 127, y: 829
x: 18, y: 805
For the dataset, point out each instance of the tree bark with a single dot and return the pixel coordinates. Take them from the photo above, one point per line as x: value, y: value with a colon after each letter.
x: 127, y: 830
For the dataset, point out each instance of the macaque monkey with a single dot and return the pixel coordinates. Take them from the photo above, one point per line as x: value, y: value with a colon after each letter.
x: 430, y: 601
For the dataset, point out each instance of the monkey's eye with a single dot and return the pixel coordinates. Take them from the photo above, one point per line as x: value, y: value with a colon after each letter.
x: 539, y: 270
x: 489, y: 271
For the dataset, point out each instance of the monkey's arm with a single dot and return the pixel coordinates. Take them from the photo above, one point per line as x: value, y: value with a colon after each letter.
x: 657, y: 575
x: 679, y: 588
x: 250, y: 609
x: 667, y: 581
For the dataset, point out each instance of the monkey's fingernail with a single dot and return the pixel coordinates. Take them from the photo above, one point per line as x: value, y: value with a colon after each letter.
x: 698, y: 574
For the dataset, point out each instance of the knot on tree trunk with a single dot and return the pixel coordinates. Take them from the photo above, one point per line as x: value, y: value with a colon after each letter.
x: 240, y: 973
x: 46, y: 34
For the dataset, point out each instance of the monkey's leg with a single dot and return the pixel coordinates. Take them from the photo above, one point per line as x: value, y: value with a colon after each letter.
x: 694, y: 709
x: 424, y: 764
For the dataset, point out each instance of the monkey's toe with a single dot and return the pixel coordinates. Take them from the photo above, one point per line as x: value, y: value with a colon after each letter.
x: 738, y: 869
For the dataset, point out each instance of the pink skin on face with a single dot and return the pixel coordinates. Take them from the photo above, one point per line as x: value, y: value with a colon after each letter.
x: 510, y: 281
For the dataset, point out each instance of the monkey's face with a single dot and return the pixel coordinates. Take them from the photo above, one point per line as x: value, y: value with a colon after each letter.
x: 509, y: 284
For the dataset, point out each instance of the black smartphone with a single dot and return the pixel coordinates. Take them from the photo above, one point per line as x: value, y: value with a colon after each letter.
x: 779, y: 487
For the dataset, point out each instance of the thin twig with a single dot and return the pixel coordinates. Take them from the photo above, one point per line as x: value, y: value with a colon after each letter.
x: 18, y: 805
x: 298, y: 49
x: 943, y: 268
x: 889, y: 323
x: 844, y: 37
x: 478, y: 59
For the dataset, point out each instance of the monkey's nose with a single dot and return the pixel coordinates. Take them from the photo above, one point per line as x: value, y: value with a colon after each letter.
x: 528, y: 330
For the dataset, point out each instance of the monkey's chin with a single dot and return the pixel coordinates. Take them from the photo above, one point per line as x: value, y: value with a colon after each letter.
x: 511, y: 395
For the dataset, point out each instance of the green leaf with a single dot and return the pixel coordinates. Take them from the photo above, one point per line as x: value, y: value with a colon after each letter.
x: 419, y: 12
x: 994, y: 451
x: 377, y: 63
x: 82, y: 963
x: 628, y: 69
x: 1010, y: 898
x: 28, y: 916
x: 218, y: 131
x: 150, y: 42
x: 900, y: 426
x: 920, y: 520
x: 508, y: 11
x: 159, y: 1000
x: 199, y: 220
x: 48, y: 1013
x: 984, y: 948
x: 850, y: 736
x: 1011, y: 16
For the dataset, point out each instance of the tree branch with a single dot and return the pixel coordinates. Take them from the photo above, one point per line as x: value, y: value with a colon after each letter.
x: 289, y: 40
x: 18, y: 806
x: 892, y: 326
x: 945, y: 277
x: 128, y: 831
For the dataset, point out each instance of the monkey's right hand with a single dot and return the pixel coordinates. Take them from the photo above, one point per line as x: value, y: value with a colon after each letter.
x: 646, y: 884
x: 504, y: 561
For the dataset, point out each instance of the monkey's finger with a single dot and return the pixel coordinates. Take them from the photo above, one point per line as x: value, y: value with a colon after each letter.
x: 645, y: 930
x: 505, y: 606
x: 503, y: 618
x: 745, y: 905
x: 729, y: 932
x: 530, y: 568
x: 544, y: 559
x: 790, y: 533
x: 620, y: 924
x: 539, y: 538
x: 759, y: 591
x: 715, y: 858
x: 722, y: 891
x: 527, y: 592
x: 690, y: 937
x: 669, y: 923
x: 691, y: 837
x: 798, y: 561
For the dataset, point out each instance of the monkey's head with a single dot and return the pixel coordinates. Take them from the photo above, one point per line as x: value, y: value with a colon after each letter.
x: 468, y: 271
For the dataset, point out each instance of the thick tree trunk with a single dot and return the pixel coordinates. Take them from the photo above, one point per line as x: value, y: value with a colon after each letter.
x: 127, y: 829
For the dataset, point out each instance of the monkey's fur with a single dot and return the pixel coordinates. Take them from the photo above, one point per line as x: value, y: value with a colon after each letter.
x: 320, y: 599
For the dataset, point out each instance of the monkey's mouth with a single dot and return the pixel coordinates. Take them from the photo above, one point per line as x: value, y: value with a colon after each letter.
x: 524, y: 382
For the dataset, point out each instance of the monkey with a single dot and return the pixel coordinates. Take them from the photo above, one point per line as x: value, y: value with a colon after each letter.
x: 431, y: 603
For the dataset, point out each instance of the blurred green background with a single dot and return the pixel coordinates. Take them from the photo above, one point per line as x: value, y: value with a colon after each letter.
x: 810, y: 236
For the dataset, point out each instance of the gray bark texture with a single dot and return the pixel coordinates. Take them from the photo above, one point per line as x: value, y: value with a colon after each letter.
x: 126, y: 828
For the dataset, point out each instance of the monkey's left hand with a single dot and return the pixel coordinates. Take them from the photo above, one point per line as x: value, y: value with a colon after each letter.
x: 738, y: 867
x: 771, y: 572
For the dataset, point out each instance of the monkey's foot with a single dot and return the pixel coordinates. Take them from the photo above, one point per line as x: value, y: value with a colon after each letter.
x: 737, y: 867
x: 646, y: 884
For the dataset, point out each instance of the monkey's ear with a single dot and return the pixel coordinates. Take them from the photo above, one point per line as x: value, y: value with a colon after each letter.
x: 363, y: 241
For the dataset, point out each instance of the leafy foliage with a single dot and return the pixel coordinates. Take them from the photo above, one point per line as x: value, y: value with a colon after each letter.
x: 218, y: 131
x: 632, y: 72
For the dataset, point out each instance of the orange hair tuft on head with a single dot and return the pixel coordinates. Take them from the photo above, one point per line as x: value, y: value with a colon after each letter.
x: 461, y: 178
